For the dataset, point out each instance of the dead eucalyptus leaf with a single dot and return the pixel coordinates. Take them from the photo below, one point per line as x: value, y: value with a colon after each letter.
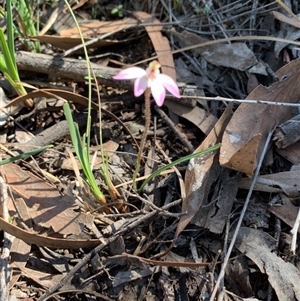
x: 198, y: 116
x: 159, y: 42
x: 45, y: 205
x: 246, y: 133
x: 199, y: 173
x: 66, y: 43
x: 286, y: 212
x: 291, y: 153
x: 235, y: 55
x: 288, y: 20
x: 19, y: 251
x: 259, y: 247
x: 287, y: 133
x: 95, y: 27
x: 45, y: 280
x: 44, y: 241
x: 287, y: 182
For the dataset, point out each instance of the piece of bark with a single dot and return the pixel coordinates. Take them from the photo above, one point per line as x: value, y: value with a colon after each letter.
x: 287, y: 133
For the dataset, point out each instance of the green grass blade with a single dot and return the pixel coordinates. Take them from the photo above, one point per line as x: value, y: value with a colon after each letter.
x: 9, y: 60
x: 2, y: 64
x: 10, y: 33
x: 74, y: 133
x: 25, y: 155
x: 27, y: 24
x: 178, y: 161
x: 82, y: 152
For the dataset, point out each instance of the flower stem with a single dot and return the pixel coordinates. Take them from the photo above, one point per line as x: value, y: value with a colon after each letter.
x: 144, y: 136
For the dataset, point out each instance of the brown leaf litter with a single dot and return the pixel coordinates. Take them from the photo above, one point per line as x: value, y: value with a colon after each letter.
x: 167, y: 244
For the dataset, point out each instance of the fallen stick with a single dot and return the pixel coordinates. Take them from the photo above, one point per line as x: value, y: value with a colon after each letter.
x: 67, y: 68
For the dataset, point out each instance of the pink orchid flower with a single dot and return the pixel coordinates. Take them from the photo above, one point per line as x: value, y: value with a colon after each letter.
x: 150, y: 78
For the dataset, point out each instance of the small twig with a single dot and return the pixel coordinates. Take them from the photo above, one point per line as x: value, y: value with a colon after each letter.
x: 294, y: 233
x: 144, y: 137
x: 256, y: 101
x: 238, y: 226
x: 5, y: 270
x: 167, y: 120
x: 96, y: 250
x: 154, y: 207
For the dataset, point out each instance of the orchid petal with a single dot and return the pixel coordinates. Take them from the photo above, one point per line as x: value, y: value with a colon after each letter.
x: 130, y: 73
x: 169, y: 84
x: 140, y: 85
x: 158, y: 92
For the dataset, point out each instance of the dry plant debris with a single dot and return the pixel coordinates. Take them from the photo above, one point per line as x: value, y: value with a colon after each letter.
x: 176, y: 239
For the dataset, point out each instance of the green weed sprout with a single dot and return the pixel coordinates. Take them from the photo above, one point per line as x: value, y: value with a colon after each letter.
x: 81, y: 146
x: 8, y: 65
x: 118, y: 10
x: 26, y: 23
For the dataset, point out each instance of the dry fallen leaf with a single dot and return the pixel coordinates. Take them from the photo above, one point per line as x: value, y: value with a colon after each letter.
x: 66, y: 43
x: 45, y: 280
x: 288, y: 20
x: 246, y: 133
x: 70, y: 38
x: 287, y: 133
x: 235, y: 55
x: 45, y: 205
x: 95, y: 27
x: 286, y: 212
x: 291, y: 153
x: 44, y: 241
x: 160, y: 43
x: 287, y: 182
x: 283, y: 276
x: 204, y: 120
x: 200, y: 172
x: 19, y: 251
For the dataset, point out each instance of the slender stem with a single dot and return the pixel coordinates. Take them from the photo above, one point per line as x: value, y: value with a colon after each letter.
x: 144, y: 136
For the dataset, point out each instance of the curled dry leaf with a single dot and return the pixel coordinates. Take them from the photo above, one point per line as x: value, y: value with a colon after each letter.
x: 246, y: 133
x: 287, y: 133
x: 44, y: 241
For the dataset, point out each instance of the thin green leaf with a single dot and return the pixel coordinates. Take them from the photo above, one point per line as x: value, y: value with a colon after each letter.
x: 74, y: 133
x: 178, y: 161
x: 10, y: 34
x: 2, y: 64
x: 9, y: 60
x: 25, y: 155
x: 27, y: 23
